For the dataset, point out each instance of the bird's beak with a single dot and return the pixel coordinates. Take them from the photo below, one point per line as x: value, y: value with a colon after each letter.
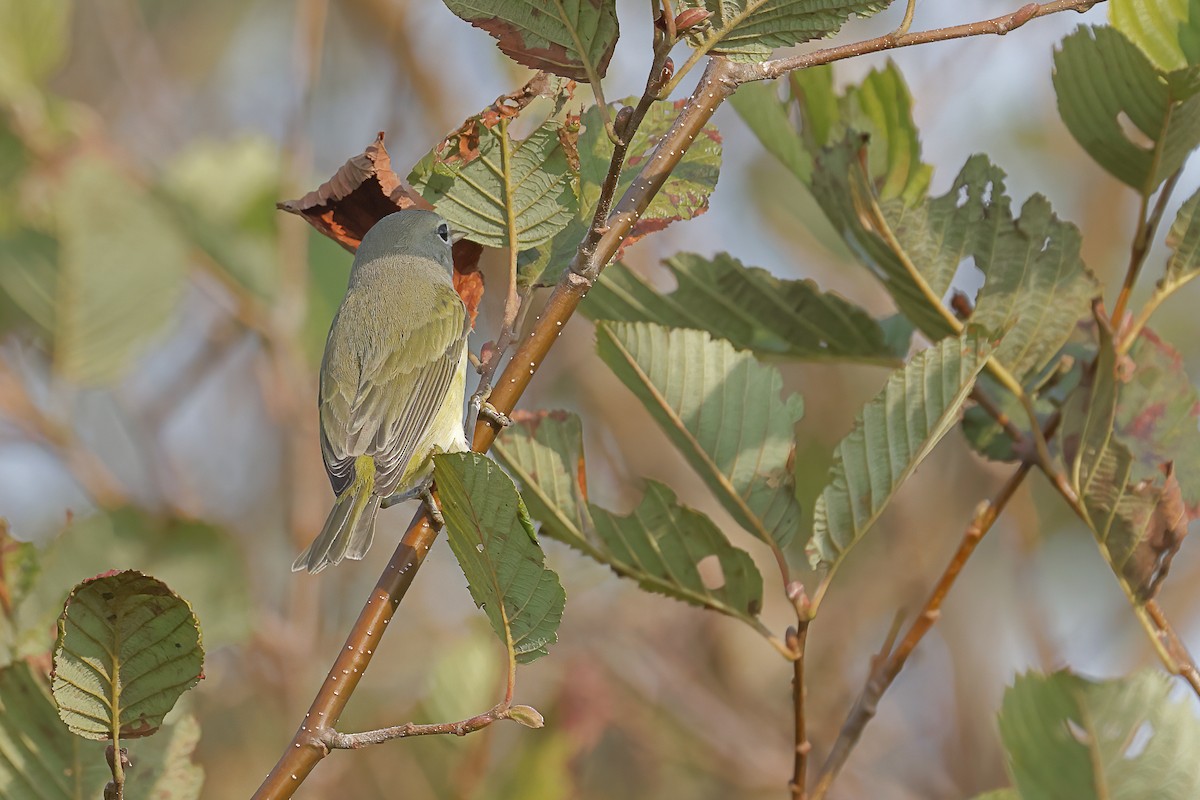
x: 457, y: 236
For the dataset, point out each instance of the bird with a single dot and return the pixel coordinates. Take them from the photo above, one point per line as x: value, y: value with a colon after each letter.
x: 392, y: 380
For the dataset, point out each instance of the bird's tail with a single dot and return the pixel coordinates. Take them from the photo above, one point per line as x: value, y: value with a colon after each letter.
x: 350, y: 526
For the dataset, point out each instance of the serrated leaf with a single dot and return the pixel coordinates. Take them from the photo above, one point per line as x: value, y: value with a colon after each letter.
x: 41, y: 758
x: 722, y: 409
x: 748, y: 307
x: 1103, y: 81
x: 502, y: 192
x: 571, y: 38
x: 128, y: 648
x: 913, y: 250
x: 891, y: 437
x: 1154, y: 26
x: 1125, y: 739
x: 1037, y: 288
x: 121, y: 272
x: 667, y: 548
x: 1184, y: 241
x: 1137, y: 512
x: 748, y: 30
x: 505, y: 568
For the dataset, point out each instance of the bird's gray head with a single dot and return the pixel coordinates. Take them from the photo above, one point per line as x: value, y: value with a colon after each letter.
x: 412, y: 232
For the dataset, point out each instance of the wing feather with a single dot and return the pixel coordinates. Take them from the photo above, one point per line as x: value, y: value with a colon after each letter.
x: 380, y: 399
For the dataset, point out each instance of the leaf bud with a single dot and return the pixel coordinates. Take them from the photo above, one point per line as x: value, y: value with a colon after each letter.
x: 690, y: 18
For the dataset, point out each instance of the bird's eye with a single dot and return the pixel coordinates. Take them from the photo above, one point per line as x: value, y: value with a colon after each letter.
x: 443, y: 232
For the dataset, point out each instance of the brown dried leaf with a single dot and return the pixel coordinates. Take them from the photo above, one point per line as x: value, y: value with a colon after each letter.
x: 363, y: 191
x: 1168, y: 524
x: 462, y: 145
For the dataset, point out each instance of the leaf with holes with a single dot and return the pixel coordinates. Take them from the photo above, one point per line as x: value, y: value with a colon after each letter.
x: 667, y: 548
x: 128, y: 648
x: 1135, y: 123
x: 571, y: 38
x: 723, y: 411
x: 1125, y: 739
x: 493, y: 539
x: 1036, y: 288
x: 748, y: 30
x: 891, y: 437
x: 750, y: 308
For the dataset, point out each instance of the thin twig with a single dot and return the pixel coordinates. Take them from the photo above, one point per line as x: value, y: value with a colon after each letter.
x: 891, y: 661
x: 797, y: 639
x: 1147, y: 225
x: 335, y: 740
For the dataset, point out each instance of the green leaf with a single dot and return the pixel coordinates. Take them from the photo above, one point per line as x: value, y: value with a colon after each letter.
x: 891, y: 437
x: 222, y: 194
x: 1184, y: 241
x: 999, y: 794
x: 120, y: 276
x: 1103, y: 81
x: 761, y: 108
x: 29, y: 278
x: 571, y: 38
x: 722, y: 409
x: 1037, y: 288
x: 492, y: 538
x: 913, y: 250
x: 880, y: 108
x: 748, y: 307
x: 1125, y: 739
x: 667, y: 548
x: 1155, y: 27
x: 33, y: 40
x: 502, y: 192
x: 128, y: 648
x: 203, y: 563
x: 748, y: 30
x: 41, y: 758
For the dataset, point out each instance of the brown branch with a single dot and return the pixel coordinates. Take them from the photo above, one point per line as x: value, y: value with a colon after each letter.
x: 997, y: 26
x: 892, y: 660
x: 525, y: 715
x: 796, y: 640
x: 308, y: 747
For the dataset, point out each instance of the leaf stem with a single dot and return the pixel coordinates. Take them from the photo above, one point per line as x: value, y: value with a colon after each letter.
x: 891, y: 660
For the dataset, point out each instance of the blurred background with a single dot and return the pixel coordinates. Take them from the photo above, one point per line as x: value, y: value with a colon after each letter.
x: 160, y: 329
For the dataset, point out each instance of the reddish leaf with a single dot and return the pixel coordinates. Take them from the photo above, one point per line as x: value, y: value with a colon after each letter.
x: 365, y: 190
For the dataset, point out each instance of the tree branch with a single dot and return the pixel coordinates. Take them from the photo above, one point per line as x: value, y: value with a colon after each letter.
x: 892, y: 660
x: 525, y: 715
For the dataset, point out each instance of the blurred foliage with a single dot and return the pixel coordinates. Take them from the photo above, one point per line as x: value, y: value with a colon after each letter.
x: 162, y: 325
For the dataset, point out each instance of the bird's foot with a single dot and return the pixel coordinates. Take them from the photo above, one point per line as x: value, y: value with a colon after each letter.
x: 497, y: 416
x: 435, y: 513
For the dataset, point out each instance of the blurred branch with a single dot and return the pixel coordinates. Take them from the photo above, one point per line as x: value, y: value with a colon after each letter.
x: 890, y: 661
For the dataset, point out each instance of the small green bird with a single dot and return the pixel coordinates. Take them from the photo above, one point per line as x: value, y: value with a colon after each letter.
x: 392, y: 380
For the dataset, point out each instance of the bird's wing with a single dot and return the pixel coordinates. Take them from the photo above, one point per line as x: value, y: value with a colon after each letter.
x: 389, y: 405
